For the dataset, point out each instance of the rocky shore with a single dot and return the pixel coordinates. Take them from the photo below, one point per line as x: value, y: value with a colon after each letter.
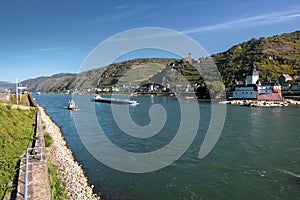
x: 77, y: 186
x: 255, y: 103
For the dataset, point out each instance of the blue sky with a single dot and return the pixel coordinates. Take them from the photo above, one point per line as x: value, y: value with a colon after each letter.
x: 41, y: 38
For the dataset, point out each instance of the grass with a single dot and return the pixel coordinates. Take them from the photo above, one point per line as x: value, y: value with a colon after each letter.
x: 58, y: 187
x: 16, y: 131
x: 48, y: 139
x: 22, y: 99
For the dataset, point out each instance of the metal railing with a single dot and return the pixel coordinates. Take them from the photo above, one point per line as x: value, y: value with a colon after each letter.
x: 35, y: 152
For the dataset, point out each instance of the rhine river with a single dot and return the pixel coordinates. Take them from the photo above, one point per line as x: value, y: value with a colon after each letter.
x: 256, y: 157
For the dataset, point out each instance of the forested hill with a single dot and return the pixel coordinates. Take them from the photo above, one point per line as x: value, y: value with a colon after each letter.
x: 274, y: 55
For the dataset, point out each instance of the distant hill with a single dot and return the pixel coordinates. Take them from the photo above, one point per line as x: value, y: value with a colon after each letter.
x: 6, y: 85
x: 273, y: 55
x: 132, y: 71
x: 135, y: 70
x: 49, y: 84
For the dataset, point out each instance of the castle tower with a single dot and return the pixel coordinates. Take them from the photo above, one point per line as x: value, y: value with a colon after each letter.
x: 189, y: 58
x: 253, y: 77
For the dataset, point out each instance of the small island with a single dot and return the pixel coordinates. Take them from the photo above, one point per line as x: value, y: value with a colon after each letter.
x: 253, y: 93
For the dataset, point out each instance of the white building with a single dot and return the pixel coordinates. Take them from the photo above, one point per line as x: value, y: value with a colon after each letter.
x: 249, y: 90
x: 254, y: 90
x: 265, y: 89
x: 253, y: 78
x: 245, y: 92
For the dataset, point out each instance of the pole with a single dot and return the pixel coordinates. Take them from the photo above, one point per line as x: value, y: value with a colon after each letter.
x: 20, y: 92
x: 17, y: 91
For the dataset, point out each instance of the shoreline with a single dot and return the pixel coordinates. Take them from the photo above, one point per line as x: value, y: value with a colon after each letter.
x: 77, y: 184
x: 257, y: 103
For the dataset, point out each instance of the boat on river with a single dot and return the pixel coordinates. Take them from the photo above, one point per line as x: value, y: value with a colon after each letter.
x: 72, y: 105
x: 101, y: 99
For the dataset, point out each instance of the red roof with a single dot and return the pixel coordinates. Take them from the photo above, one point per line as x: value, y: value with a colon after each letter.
x: 269, y: 97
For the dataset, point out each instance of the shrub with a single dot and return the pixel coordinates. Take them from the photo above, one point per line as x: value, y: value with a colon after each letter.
x: 48, y: 139
x: 58, y: 187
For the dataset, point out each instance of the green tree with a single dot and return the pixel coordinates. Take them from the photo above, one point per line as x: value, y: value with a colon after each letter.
x: 216, y: 88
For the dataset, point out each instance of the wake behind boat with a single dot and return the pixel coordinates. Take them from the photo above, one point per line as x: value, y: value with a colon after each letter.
x: 98, y: 98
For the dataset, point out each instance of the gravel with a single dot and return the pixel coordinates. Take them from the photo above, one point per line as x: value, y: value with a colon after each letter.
x: 77, y: 185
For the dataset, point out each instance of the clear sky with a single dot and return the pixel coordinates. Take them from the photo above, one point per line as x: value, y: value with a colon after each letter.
x: 42, y: 38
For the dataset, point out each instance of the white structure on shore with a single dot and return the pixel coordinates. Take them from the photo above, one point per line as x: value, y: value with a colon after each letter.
x: 253, y: 78
x: 249, y: 90
x: 20, y: 89
x: 254, y: 90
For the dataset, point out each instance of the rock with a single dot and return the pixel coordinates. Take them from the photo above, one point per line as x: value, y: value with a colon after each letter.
x: 255, y: 103
x: 70, y: 170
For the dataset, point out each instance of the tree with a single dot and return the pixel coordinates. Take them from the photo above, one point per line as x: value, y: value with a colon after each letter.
x: 215, y: 88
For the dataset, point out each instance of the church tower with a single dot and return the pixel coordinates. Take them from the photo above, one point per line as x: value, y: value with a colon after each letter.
x: 252, y: 78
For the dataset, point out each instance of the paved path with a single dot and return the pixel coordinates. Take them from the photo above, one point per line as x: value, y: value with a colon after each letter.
x: 38, y: 187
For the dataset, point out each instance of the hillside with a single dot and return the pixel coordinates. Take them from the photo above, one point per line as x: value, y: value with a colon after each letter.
x: 49, y: 84
x: 134, y: 71
x: 4, y: 85
x: 64, y: 81
x: 274, y: 55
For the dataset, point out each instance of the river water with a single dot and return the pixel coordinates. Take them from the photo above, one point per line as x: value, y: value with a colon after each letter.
x: 256, y: 157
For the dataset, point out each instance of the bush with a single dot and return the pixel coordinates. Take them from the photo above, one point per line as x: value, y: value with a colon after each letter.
x: 48, y: 139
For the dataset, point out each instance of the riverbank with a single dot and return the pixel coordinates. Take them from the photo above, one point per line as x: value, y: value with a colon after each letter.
x: 256, y: 103
x: 77, y: 186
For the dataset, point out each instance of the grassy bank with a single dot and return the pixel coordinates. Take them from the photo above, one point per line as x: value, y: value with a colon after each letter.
x: 16, y: 131
x: 58, y: 187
